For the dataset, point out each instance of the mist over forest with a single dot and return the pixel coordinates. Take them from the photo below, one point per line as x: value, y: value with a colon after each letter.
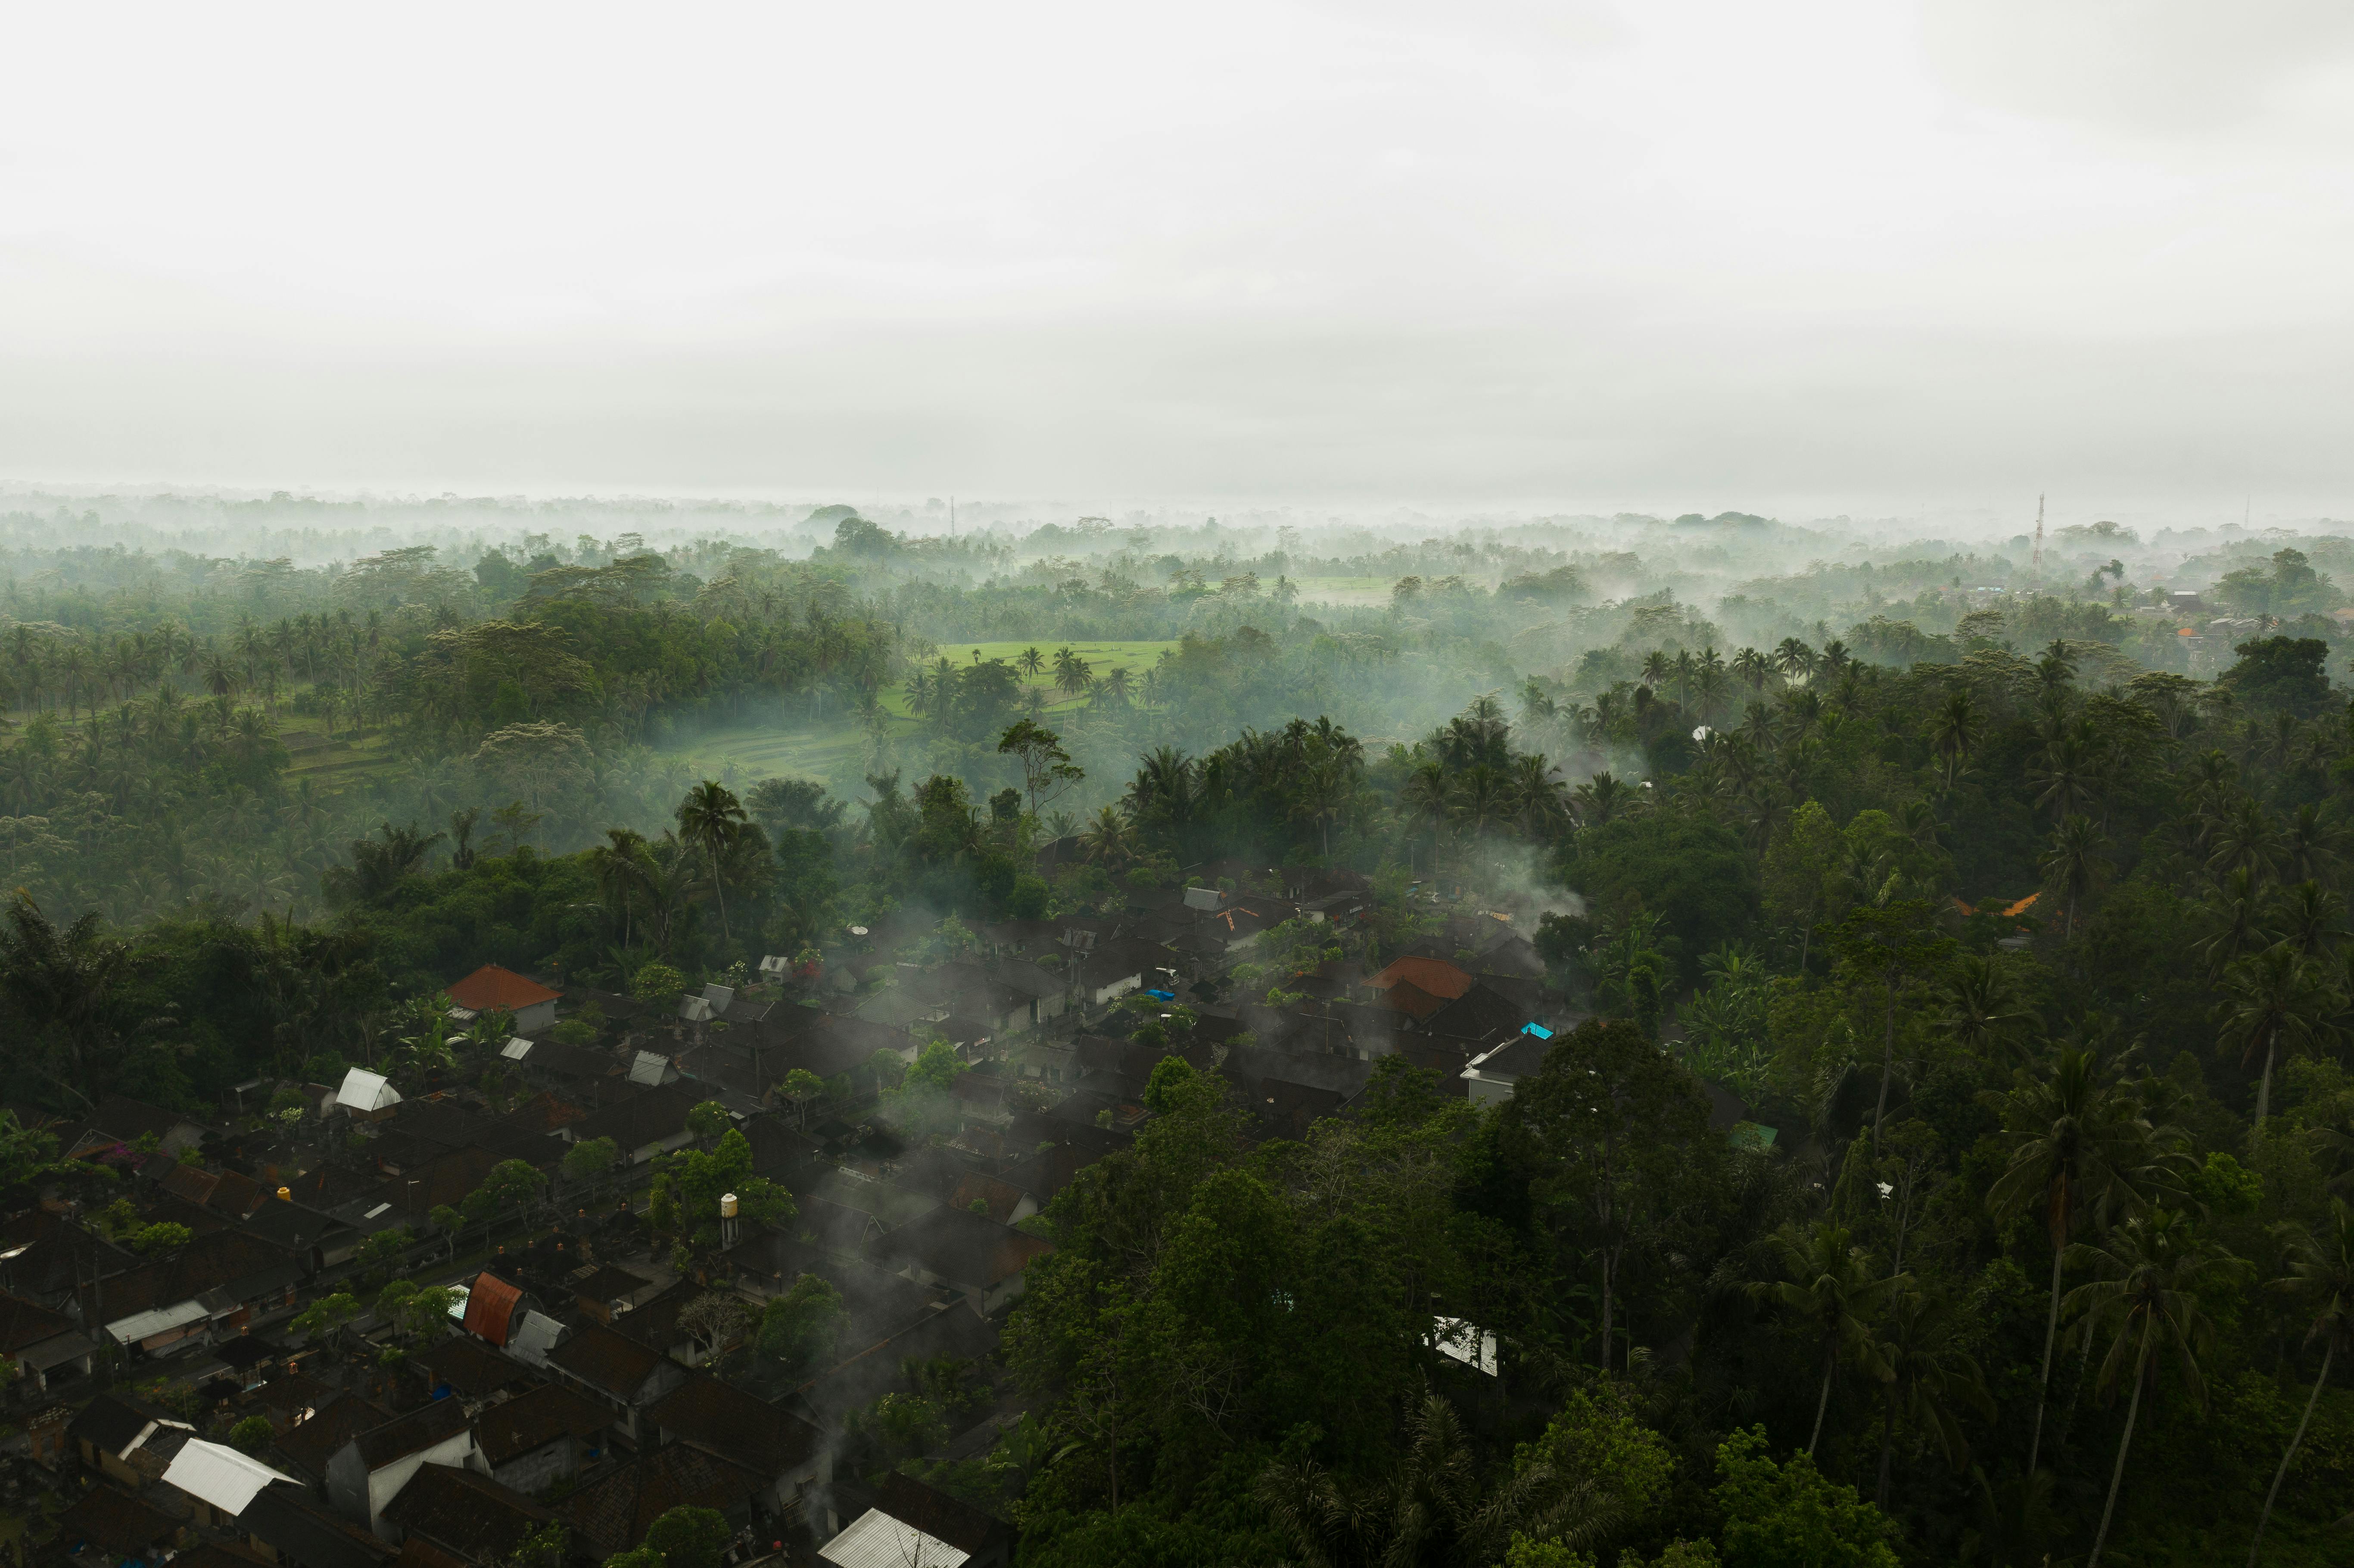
x: 1229, y: 920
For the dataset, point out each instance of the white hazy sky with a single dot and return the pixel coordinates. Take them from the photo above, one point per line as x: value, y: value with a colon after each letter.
x: 1681, y: 254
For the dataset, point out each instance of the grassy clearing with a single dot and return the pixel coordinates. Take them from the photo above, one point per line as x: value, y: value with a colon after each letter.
x: 833, y: 750
x: 1100, y: 656
x: 347, y: 758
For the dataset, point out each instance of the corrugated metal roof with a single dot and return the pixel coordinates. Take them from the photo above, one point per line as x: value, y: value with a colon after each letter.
x: 219, y: 1475
x: 365, y: 1091
x: 876, y: 1540
x: 490, y: 1310
x: 156, y: 1321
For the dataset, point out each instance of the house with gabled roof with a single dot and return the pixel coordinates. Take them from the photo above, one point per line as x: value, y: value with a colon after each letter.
x: 722, y: 1419
x: 956, y: 1250
x: 127, y: 1439
x: 627, y: 1375
x: 613, y: 1512
x: 120, y: 1525
x: 541, y: 1435
x: 367, y: 1473
x: 46, y: 1345
x: 532, y: 1004
x: 462, y: 1512
x: 914, y: 1523
x: 646, y: 1124
x: 305, y: 1447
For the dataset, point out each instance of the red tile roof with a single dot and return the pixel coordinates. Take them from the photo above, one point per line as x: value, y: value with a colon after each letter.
x: 492, y: 986
x: 1436, y: 976
x: 489, y: 1308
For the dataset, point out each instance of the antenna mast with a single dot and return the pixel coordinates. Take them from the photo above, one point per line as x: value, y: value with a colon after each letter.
x: 2037, y: 566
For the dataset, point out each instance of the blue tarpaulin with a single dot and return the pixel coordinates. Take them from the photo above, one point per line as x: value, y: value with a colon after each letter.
x: 1163, y: 995
x: 1539, y: 1030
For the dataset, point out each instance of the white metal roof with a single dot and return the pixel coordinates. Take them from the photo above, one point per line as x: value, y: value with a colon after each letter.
x: 1465, y: 1341
x: 156, y: 1321
x: 219, y: 1475
x: 365, y: 1091
x: 516, y: 1049
x: 537, y: 1336
x: 876, y: 1540
x: 649, y: 1067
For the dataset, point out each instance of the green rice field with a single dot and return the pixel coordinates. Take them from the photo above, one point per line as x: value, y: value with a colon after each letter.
x: 1101, y: 657
x: 1344, y: 590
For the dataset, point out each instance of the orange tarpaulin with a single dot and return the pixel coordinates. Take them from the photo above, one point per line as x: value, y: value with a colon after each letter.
x: 1987, y: 908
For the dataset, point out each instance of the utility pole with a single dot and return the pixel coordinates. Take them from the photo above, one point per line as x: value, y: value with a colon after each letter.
x: 2037, y: 568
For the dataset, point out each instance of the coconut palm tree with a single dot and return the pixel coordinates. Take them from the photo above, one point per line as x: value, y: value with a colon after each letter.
x: 1794, y: 659
x: 1837, y: 1288
x: 2310, y: 919
x: 2235, y: 921
x: 1981, y: 1009
x: 712, y: 819
x: 1929, y: 1375
x: 2152, y: 1270
x: 1601, y: 798
x: 2321, y: 1274
x: 1106, y: 841
x: 1955, y: 729
x: 1754, y: 668
x: 1426, y: 798
x: 1030, y: 661
x: 1543, y: 796
x: 2244, y: 840
x: 2075, y: 863
x: 2078, y: 1144
x: 2312, y: 846
x: 2270, y: 998
x: 615, y: 864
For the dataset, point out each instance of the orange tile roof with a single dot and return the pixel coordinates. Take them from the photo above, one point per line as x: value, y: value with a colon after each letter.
x: 489, y: 1308
x: 1435, y: 977
x: 492, y: 986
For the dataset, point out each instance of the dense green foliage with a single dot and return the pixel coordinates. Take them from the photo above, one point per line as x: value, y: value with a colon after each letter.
x: 2022, y: 927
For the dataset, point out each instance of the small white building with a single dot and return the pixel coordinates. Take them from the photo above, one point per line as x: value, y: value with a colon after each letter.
x: 1492, y: 1073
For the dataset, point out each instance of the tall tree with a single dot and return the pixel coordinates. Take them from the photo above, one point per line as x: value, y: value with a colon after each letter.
x: 711, y: 818
x: 2078, y: 1143
x: 1837, y: 1288
x: 2152, y: 1272
x: 2270, y: 999
x: 1929, y: 1377
x: 2321, y: 1277
x: 1617, y: 1133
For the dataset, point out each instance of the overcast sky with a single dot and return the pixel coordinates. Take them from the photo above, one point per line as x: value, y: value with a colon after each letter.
x: 1688, y: 255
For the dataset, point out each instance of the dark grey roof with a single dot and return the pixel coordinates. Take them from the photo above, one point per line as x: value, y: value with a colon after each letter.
x: 420, y: 1428
x: 967, y: 1250
x: 468, y: 1514
x: 537, y: 1417
x: 723, y: 1419
x: 306, y: 1532
x: 937, y: 1514
x: 112, y: 1420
